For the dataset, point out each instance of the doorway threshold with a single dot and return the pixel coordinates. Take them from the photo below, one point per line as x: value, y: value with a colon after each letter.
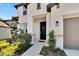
x: 41, y: 41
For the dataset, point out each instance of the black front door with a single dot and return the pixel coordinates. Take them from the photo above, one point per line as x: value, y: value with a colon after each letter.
x: 42, y: 30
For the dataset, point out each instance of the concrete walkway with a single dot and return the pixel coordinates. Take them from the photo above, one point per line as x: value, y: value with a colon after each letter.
x: 71, y: 52
x: 34, y: 50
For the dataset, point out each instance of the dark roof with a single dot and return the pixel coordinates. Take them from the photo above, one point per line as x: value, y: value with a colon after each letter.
x: 9, y: 22
x: 4, y: 21
x: 21, y: 4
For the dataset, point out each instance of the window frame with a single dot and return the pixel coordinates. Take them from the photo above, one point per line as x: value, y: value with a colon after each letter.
x: 38, y: 6
x: 24, y: 12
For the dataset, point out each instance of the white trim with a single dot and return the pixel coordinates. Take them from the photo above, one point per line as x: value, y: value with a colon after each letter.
x: 73, y: 15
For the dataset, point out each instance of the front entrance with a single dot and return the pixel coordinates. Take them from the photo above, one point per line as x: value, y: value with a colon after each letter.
x: 43, y: 30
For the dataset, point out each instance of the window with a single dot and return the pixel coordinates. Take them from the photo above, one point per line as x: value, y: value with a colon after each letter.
x: 38, y: 6
x: 21, y: 31
x: 24, y: 12
x: 23, y: 27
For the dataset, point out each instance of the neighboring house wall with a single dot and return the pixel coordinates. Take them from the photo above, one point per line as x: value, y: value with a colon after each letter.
x: 4, y: 31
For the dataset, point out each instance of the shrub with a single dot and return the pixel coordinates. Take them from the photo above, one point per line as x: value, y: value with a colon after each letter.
x: 14, y: 37
x: 44, y: 51
x: 15, y: 45
x: 10, y: 50
x: 59, y: 52
x: 25, y: 40
x: 3, y: 44
x: 52, y: 40
x: 52, y: 47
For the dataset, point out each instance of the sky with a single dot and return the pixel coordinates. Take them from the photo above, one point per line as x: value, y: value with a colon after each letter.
x: 7, y: 10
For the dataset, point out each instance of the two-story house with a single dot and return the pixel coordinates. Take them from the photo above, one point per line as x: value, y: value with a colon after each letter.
x: 40, y: 18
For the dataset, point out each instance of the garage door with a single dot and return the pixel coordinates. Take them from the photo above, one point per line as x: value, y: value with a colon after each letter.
x: 71, y: 33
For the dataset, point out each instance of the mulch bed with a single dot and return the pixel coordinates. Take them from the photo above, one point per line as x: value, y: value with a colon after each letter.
x: 21, y: 52
x: 46, y: 51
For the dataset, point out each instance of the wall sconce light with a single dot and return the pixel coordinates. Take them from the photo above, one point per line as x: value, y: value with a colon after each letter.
x: 57, y: 23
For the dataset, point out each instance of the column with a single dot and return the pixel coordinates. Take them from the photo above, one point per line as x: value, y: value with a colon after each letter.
x: 48, y: 26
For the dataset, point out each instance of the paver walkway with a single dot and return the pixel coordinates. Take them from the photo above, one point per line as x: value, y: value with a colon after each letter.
x: 34, y: 50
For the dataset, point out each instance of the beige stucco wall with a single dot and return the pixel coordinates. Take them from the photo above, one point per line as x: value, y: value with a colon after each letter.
x: 58, y: 14
x: 22, y: 18
x: 65, y: 10
x: 32, y: 9
x: 69, y: 8
x: 32, y: 14
x: 36, y: 28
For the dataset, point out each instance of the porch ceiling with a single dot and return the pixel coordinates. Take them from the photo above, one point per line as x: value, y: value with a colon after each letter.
x: 39, y: 16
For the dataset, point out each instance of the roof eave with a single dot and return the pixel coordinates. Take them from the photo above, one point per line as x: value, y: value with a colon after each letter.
x: 49, y: 6
x: 21, y: 4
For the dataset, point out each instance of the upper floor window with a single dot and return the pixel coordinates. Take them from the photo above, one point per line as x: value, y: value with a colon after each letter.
x: 38, y: 6
x: 24, y: 12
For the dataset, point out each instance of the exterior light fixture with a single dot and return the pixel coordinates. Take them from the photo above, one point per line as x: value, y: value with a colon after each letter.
x: 57, y: 23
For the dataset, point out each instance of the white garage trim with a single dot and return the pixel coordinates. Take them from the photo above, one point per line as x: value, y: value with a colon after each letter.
x: 73, y: 15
